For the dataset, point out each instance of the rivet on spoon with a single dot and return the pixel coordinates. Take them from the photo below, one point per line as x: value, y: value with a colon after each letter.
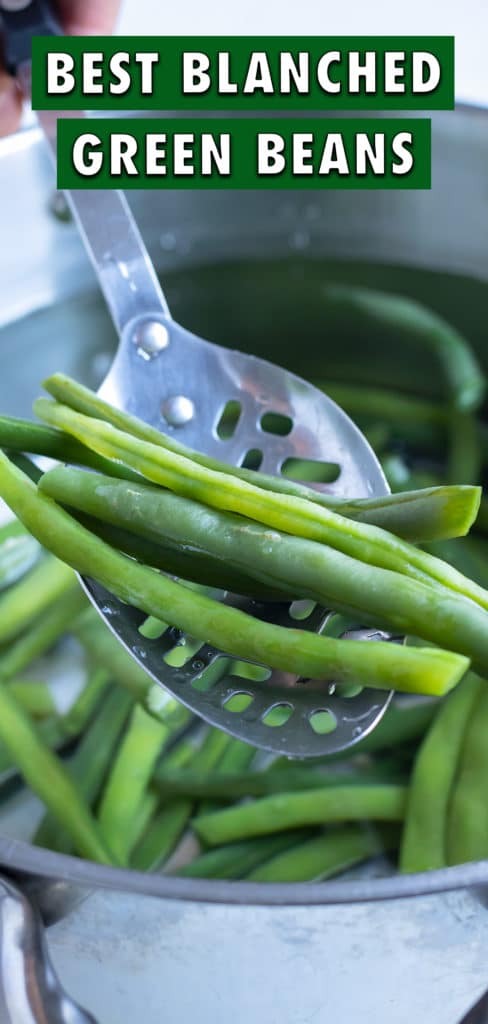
x: 178, y: 410
x: 150, y: 338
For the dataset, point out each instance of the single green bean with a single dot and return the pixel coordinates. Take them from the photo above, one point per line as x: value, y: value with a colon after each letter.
x: 164, y: 831
x: 294, y: 810
x: 46, y: 776
x: 465, y: 455
x: 162, y: 835
x: 33, y: 696
x: 320, y: 857
x: 89, y: 764
x: 298, y: 516
x: 222, y: 785
x: 403, y: 318
x: 308, y: 654
x: 238, y: 859
x: 49, y: 627
x: 48, y: 580
x: 467, y: 826
x: 18, y: 435
x: 127, y: 784
x: 423, y: 846
x: 18, y: 553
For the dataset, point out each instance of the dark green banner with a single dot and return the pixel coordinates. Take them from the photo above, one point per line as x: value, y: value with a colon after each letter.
x: 247, y: 73
x: 244, y: 153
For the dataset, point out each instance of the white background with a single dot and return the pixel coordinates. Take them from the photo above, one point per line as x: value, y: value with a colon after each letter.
x: 467, y: 20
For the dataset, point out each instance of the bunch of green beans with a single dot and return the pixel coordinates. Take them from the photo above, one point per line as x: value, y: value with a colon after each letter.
x: 124, y: 774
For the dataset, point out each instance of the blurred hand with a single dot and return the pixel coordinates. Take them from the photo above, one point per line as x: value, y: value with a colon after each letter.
x: 78, y: 17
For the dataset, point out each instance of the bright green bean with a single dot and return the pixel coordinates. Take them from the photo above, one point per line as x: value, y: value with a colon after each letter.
x: 49, y: 627
x: 21, y: 604
x: 294, y: 810
x: 89, y: 764
x: 320, y: 857
x: 308, y: 654
x: 47, y: 778
x: 127, y: 784
x: 33, y: 696
x: 18, y: 553
x: 424, y: 837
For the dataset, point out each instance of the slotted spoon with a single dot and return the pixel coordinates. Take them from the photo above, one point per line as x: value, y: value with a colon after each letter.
x: 182, y: 384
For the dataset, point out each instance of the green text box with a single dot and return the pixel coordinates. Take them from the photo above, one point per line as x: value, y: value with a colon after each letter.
x: 244, y: 137
x: 167, y: 81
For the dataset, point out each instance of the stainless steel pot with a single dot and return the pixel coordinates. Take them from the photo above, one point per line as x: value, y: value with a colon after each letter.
x: 128, y: 945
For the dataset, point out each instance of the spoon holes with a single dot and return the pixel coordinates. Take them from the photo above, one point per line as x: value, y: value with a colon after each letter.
x: 228, y: 420
x: 276, y: 423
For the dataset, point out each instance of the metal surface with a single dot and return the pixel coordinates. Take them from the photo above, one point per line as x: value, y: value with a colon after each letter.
x: 30, y: 992
x: 183, y: 948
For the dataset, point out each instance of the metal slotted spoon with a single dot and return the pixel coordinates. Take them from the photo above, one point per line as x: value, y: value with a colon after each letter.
x: 183, y: 385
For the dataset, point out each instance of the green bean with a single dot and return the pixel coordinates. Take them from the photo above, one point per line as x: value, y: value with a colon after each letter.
x: 405, y: 719
x: 468, y: 554
x: 403, y: 318
x: 382, y: 511
x: 31, y: 595
x: 416, y: 416
x: 293, y: 810
x: 224, y: 491
x: 89, y: 764
x: 126, y: 786
x: 222, y: 785
x: 320, y: 857
x: 424, y: 837
x: 465, y: 456
x: 33, y: 696
x: 162, y: 836
x: 238, y: 859
x: 46, y: 776
x: 43, y: 633
x: 20, y: 436
x: 165, y: 830
x: 301, y: 568
x: 86, y: 703
x: 467, y: 827
x: 18, y: 553
x: 308, y: 654
x: 176, y: 560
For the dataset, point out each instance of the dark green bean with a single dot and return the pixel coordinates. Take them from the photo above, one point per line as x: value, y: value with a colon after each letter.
x: 238, y: 859
x: 403, y: 318
x: 424, y: 838
x: 467, y: 827
x: 321, y: 857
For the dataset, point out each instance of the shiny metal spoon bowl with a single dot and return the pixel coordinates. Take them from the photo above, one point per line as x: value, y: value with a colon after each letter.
x: 182, y: 384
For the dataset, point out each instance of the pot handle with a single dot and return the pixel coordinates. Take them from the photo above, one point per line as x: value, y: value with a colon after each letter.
x: 30, y: 992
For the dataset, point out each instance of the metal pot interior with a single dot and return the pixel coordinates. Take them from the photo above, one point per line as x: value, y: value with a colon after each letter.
x: 249, y: 272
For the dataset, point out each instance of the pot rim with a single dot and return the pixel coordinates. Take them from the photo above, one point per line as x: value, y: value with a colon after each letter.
x: 22, y: 857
